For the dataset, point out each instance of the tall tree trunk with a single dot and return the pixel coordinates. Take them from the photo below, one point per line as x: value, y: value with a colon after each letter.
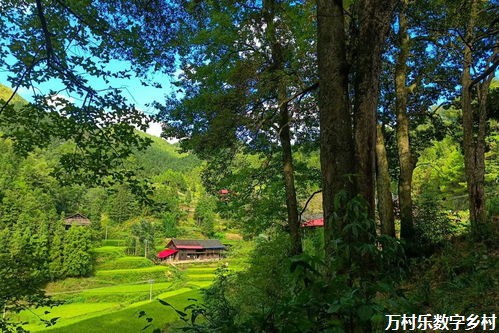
x: 338, y: 160
x: 385, y: 203
x: 289, y: 178
x: 403, y: 144
x: 336, y: 135
x: 277, y: 69
x: 374, y: 21
x: 474, y: 147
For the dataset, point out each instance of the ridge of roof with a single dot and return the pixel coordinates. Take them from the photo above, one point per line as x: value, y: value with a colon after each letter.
x: 204, y: 243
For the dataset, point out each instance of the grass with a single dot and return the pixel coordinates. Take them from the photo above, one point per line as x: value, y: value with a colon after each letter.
x: 67, y: 313
x: 113, y: 242
x: 120, y: 276
x: 125, y: 294
x: 200, y: 277
x: 106, y: 254
x: 111, y: 300
x: 127, y: 320
x: 126, y: 263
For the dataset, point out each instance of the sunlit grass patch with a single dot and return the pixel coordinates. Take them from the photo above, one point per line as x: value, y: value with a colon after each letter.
x: 127, y: 320
x: 67, y: 313
x: 126, y: 263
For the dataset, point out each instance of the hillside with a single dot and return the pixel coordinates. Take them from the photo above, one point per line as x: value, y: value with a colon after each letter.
x: 6, y: 92
x: 161, y: 155
x: 101, y: 272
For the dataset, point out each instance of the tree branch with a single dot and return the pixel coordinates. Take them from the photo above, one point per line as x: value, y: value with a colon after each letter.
x: 308, y: 201
x: 26, y: 72
x: 46, y: 32
x: 489, y: 70
x: 298, y: 94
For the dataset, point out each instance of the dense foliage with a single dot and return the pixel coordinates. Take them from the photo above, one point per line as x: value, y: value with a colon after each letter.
x: 387, y: 108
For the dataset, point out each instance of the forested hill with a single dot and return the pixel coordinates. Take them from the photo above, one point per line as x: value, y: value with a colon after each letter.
x: 29, y: 183
x: 154, y: 160
x: 161, y: 154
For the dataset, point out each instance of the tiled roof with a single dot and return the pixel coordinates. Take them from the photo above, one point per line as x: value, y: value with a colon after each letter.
x: 77, y: 219
x: 197, y: 243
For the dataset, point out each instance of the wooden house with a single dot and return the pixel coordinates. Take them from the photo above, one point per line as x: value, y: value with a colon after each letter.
x: 76, y: 220
x: 188, y: 249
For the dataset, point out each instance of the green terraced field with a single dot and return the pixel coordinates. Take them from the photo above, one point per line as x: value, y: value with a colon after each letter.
x: 127, y: 319
x: 126, y: 263
x: 111, y: 300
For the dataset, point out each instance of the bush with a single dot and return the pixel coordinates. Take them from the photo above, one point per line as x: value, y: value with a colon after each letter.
x: 433, y: 227
x: 77, y: 257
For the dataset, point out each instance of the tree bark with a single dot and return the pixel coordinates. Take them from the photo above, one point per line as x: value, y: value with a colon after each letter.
x: 336, y: 135
x: 403, y: 143
x: 374, y: 21
x: 474, y: 147
x: 289, y: 178
x: 385, y: 203
x: 277, y: 69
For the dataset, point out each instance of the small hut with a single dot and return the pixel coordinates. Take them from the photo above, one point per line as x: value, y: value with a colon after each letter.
x: 189, y: 249
x: 223, y: 194
x: 76, y: 219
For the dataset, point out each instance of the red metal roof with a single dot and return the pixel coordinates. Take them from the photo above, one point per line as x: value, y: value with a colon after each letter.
x: 166, y: 253
x: 224, y: 191
x: 313, y: 223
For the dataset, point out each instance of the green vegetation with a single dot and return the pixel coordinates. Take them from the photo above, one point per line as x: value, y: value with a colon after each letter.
x: 380, y: 116
x: 112, y: 298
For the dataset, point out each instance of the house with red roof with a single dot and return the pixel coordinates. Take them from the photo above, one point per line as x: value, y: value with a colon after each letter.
x: 190, y: 249
x: 312, y: 221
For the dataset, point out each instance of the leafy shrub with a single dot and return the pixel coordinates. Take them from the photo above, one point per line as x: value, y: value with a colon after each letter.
x: 433, y: 227
x: 493, y: 206
x: 170, y: 221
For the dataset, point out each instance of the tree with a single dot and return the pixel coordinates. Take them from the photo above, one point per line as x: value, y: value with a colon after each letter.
x: 143, y: 233
x: 56, y: 253
x: 69, y: 44
x: 77, y: 257
x: 251, y: 89
x: 205, y: 214
x: 473, y: 117
x: 406, y: 160
x: 337, y: 133
x: 345, y: 61
x: 385, y: 202
x: 122, y: 205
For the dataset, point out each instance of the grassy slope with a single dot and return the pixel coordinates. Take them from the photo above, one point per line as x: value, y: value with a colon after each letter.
x: 462, y: 278
x: 127, y: 320
x: 110, y: 301
x: 6, y: 92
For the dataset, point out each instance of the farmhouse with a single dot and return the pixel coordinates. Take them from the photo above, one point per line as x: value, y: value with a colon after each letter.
x: 184, y: 249
x: 76, y: 219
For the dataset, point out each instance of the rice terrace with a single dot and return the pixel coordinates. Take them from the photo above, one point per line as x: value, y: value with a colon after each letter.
x: 122, y: 287
x: 249, y: 166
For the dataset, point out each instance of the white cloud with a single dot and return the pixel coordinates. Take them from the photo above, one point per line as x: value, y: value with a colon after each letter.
x: 154, y: 129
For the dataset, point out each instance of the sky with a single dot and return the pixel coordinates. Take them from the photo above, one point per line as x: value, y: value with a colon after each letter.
x: 132, y: 89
